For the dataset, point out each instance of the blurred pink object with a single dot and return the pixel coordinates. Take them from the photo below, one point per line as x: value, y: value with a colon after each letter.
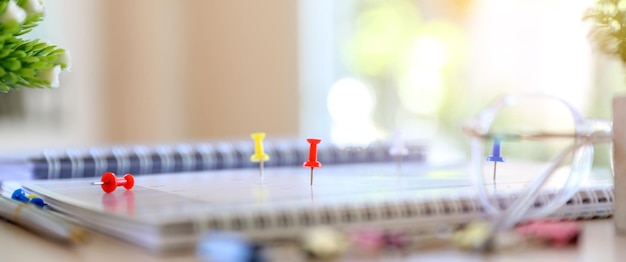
x: 371, y: 240
x: 375, y: 240
x: 556, y: 233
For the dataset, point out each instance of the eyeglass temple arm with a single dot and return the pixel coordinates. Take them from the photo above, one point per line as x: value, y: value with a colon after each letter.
x: 597, y: 137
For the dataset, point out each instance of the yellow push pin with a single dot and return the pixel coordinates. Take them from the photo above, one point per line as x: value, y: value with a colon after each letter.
x: 259, y: 155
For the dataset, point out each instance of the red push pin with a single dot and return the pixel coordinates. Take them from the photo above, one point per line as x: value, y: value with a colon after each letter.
x: 109, y: 182
x: 312, y: 163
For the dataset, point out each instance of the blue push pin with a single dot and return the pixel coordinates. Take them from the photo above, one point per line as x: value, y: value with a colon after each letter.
x: 20, y: 195
x: 228, y: 247
x: 495, y: 157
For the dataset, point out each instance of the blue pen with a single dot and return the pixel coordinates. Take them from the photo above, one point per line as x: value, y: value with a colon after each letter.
x: 495, y: 157
x: 40, y: 221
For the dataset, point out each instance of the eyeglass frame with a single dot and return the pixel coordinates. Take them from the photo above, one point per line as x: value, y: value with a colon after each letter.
x: 587, y: 132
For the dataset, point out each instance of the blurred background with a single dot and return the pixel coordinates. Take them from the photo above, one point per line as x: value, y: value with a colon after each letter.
x: 348, y: 71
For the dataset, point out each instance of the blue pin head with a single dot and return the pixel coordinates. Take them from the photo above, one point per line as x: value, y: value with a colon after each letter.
x: 19, y: 195
x: 38, y: 202
x: 495, y: 152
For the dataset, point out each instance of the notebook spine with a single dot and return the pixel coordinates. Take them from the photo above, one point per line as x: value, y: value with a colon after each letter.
x: 144, y: 159
x: 415, y: 217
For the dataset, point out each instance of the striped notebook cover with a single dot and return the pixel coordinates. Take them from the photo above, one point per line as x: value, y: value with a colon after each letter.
x: 187, y: 157
x: 170, y: 212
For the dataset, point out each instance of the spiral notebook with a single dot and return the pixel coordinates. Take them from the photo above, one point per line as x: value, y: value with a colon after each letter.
x: 171, y: 211
x: 185, y: 157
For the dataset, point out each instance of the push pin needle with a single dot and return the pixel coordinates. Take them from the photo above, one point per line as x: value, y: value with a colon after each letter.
x: 312, y: 162
x: 398, y: 149
x: 495, y: 157
x: 259, y: 155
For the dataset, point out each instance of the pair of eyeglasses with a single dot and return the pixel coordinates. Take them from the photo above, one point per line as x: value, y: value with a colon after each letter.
x: 579, y: 152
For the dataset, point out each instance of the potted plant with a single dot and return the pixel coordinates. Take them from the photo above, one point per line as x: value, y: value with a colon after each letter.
x: 24, y: 62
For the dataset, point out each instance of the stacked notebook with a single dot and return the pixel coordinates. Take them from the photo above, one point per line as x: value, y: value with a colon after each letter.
x: 186, y: 157
x: 168, y: 212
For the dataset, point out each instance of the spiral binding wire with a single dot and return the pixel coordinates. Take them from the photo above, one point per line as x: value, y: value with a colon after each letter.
x: 453, y: 211
x: 186, y: 157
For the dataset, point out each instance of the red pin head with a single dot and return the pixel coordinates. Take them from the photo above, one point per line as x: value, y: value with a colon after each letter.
x: 312, y: 162
x: 109, y: 182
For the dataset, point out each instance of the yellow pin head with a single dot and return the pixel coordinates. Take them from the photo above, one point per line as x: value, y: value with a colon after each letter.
x: 259, y: 155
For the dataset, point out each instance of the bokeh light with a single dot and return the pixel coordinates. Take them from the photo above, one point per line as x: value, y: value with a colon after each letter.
x: 421, y: 86
x: 350, y: 103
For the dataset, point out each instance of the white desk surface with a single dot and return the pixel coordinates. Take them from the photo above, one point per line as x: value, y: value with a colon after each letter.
x: 597, y: 243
